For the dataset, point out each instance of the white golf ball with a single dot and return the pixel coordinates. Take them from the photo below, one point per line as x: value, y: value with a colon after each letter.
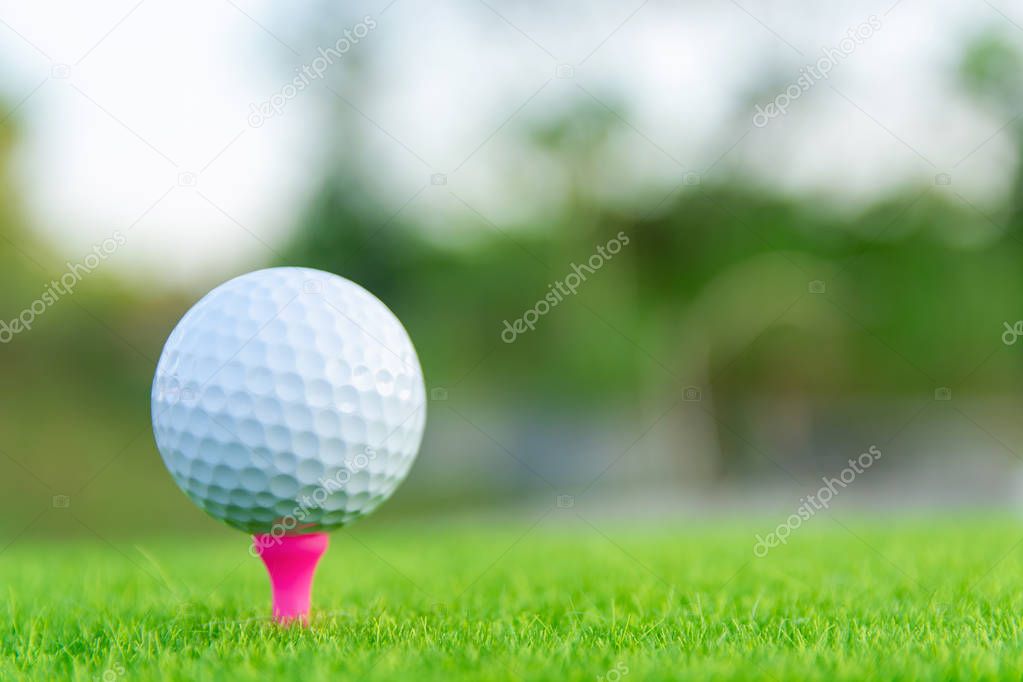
x: 291, y: 398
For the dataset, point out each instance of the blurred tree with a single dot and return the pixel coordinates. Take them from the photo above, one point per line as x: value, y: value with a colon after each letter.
x: 716, y: 290
x: 75, y: 412
x: 989, y: 70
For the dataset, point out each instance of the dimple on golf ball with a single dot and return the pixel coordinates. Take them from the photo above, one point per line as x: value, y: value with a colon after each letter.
x: 288, y: 395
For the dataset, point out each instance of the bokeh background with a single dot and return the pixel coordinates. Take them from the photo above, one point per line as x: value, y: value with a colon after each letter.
x: 796, y: 287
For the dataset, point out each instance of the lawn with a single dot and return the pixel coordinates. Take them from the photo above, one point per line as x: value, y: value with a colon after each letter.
x: 564, y: 600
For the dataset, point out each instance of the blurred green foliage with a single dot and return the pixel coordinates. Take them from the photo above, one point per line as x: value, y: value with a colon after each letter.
x: 726, y: 286
x: 719, y: 283
x: 74, y: 411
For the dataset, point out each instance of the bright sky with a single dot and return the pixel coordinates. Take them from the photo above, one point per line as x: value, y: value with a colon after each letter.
x: 134, y: 114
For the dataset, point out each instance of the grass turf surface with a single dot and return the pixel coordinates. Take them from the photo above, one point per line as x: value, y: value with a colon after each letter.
x: 566, y: 601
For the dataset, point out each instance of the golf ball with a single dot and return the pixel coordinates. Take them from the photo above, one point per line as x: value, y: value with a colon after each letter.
x: 288, y: 397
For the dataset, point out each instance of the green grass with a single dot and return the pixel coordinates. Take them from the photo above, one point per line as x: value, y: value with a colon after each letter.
x: 562, y: 600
